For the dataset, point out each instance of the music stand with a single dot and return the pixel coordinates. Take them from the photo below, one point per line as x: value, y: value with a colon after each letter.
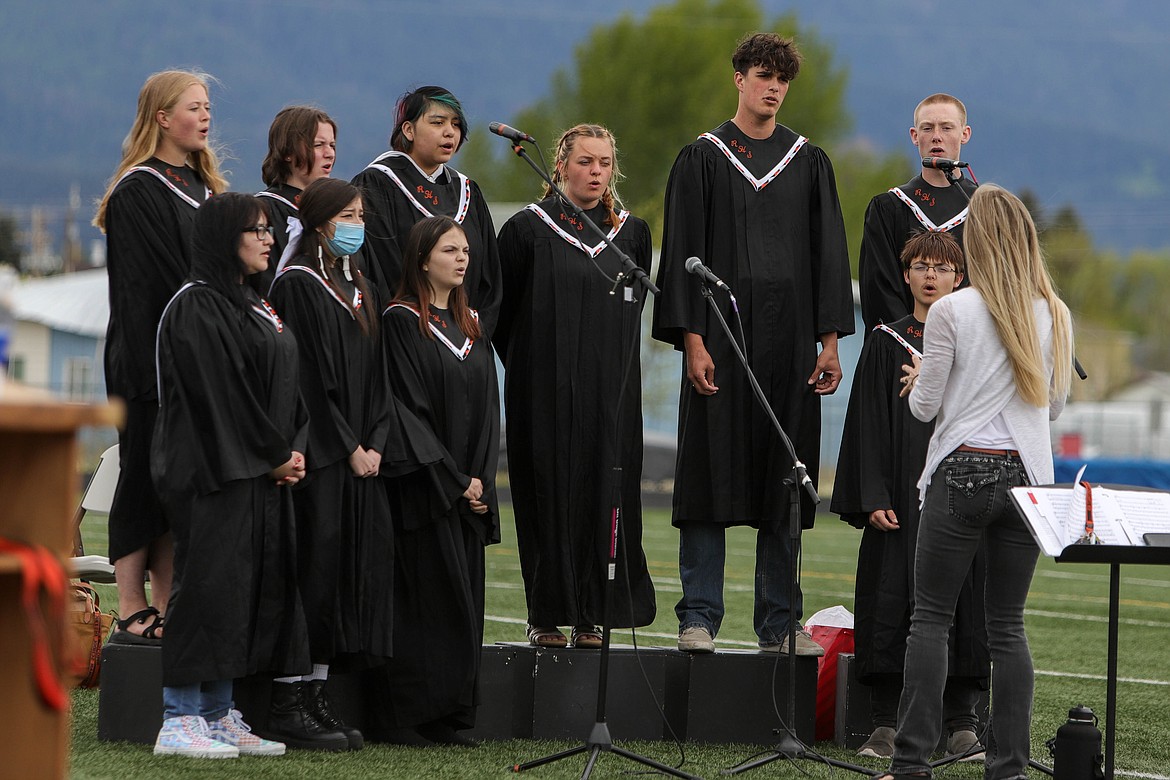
x: 1114, y: 555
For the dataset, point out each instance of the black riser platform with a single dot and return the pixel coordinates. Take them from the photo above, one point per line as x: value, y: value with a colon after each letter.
x: 528, y: 692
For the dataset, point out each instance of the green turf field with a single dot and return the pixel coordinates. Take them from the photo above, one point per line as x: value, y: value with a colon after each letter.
x: 1067, y: 612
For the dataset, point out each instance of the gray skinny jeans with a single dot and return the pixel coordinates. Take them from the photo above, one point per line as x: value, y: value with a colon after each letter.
x: 968, y: 500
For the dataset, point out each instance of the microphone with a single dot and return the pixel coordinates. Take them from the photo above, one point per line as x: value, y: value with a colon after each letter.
x: 942, y: 163
x: 695, y: 266
x: 501, y: 129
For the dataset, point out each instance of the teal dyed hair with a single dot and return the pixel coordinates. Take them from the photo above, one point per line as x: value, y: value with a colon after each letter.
x: 412, y: 105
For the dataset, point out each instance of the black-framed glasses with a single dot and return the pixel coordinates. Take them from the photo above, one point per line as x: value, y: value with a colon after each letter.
x: 260, y: 231
x: 921, y: 268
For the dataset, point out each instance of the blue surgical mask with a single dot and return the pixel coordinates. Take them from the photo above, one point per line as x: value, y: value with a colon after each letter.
x: 347, y: 238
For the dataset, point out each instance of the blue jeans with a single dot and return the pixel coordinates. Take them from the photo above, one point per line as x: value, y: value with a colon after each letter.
x: 701, y: 555
x: 968, y: 501
x: 210, y: 699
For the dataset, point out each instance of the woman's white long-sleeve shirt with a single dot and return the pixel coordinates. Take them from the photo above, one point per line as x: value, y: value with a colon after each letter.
x: 966, y: 380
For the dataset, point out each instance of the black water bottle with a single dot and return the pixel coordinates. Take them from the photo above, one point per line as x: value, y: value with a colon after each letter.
x: 1076, y: 751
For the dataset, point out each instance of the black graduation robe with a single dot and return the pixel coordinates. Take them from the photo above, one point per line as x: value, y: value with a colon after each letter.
x: 889, y: 222
x: 883, y: 452
x: 230, y: 412
x: 281, y: 201
x: 560, y: 335
x: 779, y: 243
x: 148, y: 232
x: 344, y: 531
x: 393, y: 205
x: 439, y: 574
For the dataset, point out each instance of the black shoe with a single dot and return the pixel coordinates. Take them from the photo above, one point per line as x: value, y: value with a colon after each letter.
x: 322, y: 709
x: 149, y: 635
x: 291, y: 721
x: 442, y: 734
x: 403, y: 736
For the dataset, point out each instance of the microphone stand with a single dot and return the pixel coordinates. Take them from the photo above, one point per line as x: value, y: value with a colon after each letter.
x: 790, y: 746
x: 954, y: 176
x: 630, y: 271
x: 599, y: 740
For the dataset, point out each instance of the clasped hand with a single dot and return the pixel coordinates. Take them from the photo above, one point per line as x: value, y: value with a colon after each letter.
x: 473, y: 494
x: 291, y: 471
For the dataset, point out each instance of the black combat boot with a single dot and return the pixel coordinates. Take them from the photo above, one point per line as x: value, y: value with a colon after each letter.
x: 442, y: 733
x: 291, y: 721
x: 322, y: 709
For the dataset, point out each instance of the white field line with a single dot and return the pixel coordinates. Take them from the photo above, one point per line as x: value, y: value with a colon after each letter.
x: 1096, y: 618
x: 1072, y: 575
x: 1101, y: 677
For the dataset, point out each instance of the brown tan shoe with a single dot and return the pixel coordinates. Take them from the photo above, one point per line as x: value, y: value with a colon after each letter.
x: 547, y: 637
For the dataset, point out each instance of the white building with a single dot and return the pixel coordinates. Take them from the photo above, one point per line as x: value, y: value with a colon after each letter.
x: 60, y: 334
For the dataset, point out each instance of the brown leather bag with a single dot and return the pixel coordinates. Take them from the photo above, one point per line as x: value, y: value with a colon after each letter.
x: 89, y: 629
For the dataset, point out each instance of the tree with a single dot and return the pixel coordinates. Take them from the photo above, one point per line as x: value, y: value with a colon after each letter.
x: 1102, y: 288
x: 660, y: 81
x: 10, y: 253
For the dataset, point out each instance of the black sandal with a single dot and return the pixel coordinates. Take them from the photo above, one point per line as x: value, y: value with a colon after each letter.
x: 587, y: 637
x: 149, y: 635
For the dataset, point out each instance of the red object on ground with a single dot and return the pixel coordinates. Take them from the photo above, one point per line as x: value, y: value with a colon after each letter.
x: 835, y: 640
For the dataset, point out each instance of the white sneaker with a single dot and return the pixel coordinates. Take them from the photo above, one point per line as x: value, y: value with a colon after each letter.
x: 231, y: 730
x: 187, y: 736
x: 696, y: 639
x: 805, y: 645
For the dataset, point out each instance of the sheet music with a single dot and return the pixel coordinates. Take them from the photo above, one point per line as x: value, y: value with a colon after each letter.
x: 1056, y: 515
x: 1060, y: 503
x: 1109, y: 523
x: 1044, y: 518
x: 1138, y: 512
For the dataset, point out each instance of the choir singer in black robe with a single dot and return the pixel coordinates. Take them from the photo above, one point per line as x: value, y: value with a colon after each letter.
x: 302, y: 147
x: 228, y: 445
x: 442, y: 370
x: 883, y: 452
x: 561, y: 338
x: 345, y: 536
x: 926, y: 202
x: 413, y: 181
x: 167, y: 170
x: 758, y: 205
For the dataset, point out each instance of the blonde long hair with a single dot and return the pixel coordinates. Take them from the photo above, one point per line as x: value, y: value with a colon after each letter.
x: 161, y: 92
x: 1006, y: 266
x: 565, y: 145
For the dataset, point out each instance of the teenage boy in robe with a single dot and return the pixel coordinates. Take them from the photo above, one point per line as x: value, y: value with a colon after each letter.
x: 883, y: 452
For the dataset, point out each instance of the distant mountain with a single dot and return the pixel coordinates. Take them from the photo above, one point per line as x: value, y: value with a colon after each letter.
x: 1066, y: 99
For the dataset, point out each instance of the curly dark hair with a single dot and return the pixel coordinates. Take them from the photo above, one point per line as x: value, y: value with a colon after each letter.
x: 767, y: 50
